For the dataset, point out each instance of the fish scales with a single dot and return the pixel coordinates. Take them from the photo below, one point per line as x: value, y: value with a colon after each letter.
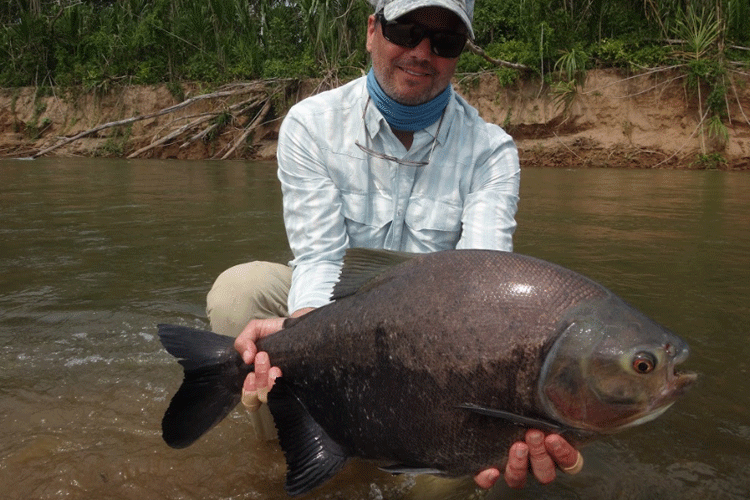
x: 437, y: 363
x: 404, y: 349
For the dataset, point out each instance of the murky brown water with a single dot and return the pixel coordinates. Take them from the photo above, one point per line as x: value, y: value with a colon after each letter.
x: 94, y: 253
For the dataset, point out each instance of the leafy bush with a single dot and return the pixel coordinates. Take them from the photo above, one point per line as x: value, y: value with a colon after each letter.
x: 100, y: 42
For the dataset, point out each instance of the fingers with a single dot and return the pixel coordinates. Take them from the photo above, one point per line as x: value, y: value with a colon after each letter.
x: 256, y: 329
x: 517, y: 467
x: 258, y: 383
x: 541, y: 463
x: 564, y: 454
x: 250, y: 398
x: 245, y: 343
x: 487, y: 478
x: 543, y: 455
x: 262, y: 367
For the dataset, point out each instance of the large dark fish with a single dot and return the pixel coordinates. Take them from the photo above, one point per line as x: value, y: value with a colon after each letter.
x: 435, y: 363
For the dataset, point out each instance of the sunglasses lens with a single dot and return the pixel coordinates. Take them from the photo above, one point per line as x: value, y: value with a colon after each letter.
x: 403, y: 34
x: 448, y: 44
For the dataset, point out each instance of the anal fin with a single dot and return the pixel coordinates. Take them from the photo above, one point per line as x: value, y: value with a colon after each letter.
x: 409, y: 469
x: 312, y: 457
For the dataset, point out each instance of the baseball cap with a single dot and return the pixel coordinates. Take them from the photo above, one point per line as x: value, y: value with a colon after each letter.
x: 393, y: 9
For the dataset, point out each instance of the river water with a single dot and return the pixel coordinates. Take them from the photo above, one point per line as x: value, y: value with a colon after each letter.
x: 95, y: 253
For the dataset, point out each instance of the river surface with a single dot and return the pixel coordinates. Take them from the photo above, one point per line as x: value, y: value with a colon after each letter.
x: 95, y: 253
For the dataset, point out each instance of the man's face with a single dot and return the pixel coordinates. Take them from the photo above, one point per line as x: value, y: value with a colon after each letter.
x: 413, y: 76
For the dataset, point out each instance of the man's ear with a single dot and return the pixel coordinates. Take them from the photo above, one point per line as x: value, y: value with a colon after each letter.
x: 371, y: 25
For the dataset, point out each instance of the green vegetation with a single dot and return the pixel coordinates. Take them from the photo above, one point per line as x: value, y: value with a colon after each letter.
x: 101, y: 43
x: 710, y: 161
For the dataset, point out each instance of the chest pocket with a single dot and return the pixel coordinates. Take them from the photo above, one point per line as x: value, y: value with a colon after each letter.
x: 367, y: 219
x: 434, y: 224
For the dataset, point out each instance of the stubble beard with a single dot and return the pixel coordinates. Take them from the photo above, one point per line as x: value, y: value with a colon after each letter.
x: 389, y: 86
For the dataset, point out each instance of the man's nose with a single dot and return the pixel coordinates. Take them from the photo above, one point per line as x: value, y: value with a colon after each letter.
x: 424, y: 49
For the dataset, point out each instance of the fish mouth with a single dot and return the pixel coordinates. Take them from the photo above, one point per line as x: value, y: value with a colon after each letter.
x: 677, y: 384
x: 681, y: 381
x: 678, y: 381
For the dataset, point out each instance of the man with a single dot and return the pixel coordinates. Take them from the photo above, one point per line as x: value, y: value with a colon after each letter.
x: 393, y: 160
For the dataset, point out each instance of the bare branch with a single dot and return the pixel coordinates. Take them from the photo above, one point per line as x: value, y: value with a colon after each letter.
x: 258, y: 89
x: 497, y: 62
x: 258, y: 120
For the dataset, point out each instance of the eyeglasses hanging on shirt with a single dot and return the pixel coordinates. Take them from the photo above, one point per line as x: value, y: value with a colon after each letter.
x: 383, y: 156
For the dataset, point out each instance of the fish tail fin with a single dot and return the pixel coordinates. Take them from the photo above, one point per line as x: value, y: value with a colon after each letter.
x: 212, y: 385
x: 312, y: 457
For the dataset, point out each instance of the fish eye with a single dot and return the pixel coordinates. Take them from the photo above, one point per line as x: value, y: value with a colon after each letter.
x: 644, y: 362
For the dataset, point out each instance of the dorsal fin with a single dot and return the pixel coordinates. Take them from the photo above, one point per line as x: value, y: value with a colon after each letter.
x: 362, y: 266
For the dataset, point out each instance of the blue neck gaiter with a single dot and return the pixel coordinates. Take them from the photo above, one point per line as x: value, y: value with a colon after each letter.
x: 403, y: 117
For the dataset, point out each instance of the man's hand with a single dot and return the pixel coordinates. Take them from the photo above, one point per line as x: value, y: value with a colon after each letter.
x: 542, y: 453
x: 258, y: 383
x: 255, y: 330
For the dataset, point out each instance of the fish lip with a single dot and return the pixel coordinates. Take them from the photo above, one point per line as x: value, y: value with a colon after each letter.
x: 681, y: 356
x: 681, y: 381
x: 678, y: 383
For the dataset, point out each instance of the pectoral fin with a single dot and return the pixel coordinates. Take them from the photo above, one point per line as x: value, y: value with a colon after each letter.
x: 520, y: 420
x: 312, y: 457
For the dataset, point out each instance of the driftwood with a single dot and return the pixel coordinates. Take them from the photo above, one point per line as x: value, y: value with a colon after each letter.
x: 250, y: 129
x: 173, y: 135
x: 203, y: 125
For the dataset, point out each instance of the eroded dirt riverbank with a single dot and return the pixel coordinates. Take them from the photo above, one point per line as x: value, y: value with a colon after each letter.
x: 615, y: 120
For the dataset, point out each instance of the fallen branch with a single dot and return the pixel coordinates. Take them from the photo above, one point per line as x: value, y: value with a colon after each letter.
x: 245, y: 105
x: 648, y: 72
x: 258, y: 119
x: 173, y: 135
x: 92, y: 131
x: 229, y: 91
x: 739, y: 103
x: 497, y: 62
x: 565, y: 145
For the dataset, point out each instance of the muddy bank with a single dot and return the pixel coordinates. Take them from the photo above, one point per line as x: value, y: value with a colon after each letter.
x: 615, y: 120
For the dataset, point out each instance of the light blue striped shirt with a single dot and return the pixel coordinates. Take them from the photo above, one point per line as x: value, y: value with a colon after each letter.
x: 336, y: 196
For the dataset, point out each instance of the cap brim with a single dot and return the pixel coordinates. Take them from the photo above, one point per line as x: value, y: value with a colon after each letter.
x: 392, y: 11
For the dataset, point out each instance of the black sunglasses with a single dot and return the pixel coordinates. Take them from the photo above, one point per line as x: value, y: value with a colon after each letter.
x: 443, y: 43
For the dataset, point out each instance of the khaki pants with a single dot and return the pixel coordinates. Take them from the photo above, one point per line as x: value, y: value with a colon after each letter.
x: 255, y: 290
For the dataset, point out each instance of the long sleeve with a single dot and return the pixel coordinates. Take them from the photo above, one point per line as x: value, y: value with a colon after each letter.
x: 488, y: 218
x: 312, y: 214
